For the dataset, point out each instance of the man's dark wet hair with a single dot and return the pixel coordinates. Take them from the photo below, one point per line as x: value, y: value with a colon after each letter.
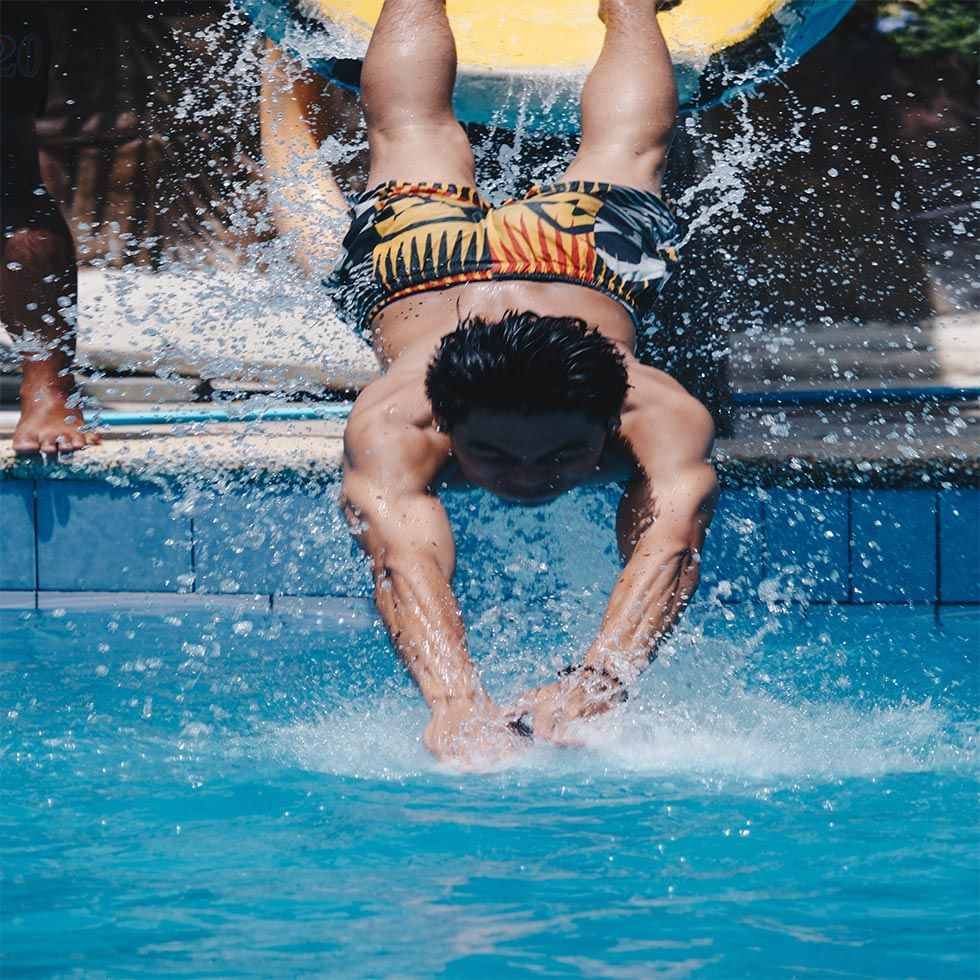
x: 526, y: 363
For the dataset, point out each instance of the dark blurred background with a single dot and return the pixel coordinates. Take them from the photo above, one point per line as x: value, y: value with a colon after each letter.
x: 151, y: 143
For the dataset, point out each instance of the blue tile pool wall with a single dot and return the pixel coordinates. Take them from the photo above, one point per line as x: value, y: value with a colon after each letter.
x: 807, y: 541
x: 93, y: 536
x: 837, y: 545
x: 893, y: 540
x: 959, y: 546
x: 734, y: 561
x: 18, y: 558
x: 286, y: 541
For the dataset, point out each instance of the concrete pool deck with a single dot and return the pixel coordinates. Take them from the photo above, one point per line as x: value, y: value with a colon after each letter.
x: 175, y: 339
x: 883, y: 450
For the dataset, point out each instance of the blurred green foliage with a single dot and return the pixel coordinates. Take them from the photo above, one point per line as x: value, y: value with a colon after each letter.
x: 932, y: 28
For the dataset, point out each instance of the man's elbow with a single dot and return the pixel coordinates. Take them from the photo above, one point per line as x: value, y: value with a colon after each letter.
x: 709, y: 498
x: 685, y: 552
x: 699, y: 490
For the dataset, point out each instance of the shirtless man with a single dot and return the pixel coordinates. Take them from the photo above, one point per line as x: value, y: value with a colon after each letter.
x: 507, y: 336
x: 38, y: 272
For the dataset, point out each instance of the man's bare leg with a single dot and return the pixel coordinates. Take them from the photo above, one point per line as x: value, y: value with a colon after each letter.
x: 32, y: 310
x: 406, y: 90
x: 38, y: 297
x: 297, y: 111
x: 629, y: 102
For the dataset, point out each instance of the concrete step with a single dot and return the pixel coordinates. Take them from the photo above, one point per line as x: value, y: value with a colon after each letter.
x: 245, y: 330
x: 944, y: 350
x: 279, y: 332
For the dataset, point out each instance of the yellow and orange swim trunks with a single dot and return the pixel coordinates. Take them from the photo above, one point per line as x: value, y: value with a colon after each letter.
x: 408, y: 238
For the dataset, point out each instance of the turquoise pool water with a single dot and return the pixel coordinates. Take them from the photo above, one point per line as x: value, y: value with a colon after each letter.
x: 219, y: 795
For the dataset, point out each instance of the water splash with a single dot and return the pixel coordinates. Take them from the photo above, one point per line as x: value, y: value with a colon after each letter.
x: 763, y: 708
x: 260, y: 284
x: 726, y: 736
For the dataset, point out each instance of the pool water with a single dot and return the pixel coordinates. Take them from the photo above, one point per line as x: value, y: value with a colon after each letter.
x: 213, y: 794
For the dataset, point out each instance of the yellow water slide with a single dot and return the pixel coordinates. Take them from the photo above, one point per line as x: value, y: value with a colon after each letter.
x: 524, y: 63
x: 559, y: 35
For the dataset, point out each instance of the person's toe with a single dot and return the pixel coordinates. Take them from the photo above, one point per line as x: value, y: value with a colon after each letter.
x: 68, y: 442
x: 50, y: 443
x: 26, y: 443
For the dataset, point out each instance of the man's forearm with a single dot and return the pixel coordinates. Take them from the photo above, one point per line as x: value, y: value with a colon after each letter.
x: 423, y: 619
x: 648, y: 599
x: 661, y: 527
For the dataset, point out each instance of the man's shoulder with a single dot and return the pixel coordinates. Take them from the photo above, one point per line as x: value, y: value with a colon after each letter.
x: 654, y: 392
x: 387, y: 414
x: 390, y: 431
x: 663, y: 421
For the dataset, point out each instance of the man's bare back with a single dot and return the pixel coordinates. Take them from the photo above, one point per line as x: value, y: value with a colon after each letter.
x: 423, y: 319
x: 408, y: 332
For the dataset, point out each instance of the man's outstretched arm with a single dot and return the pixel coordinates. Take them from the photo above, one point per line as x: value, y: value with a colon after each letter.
x: 405, y: 531
x: 661, y: 530
x: 661, y: 525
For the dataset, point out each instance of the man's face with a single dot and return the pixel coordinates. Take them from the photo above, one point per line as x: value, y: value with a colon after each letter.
x: 528, y: 459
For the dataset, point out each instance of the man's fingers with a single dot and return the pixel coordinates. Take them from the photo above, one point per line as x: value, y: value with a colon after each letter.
x: 522, y: 725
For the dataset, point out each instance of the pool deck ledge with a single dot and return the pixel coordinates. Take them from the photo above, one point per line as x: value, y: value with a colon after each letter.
x: 246, y: 514
x: 288, y: 451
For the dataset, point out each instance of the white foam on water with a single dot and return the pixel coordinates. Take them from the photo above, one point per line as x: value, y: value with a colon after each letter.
x: 756, y: 737
x: 679, y: 723
x: 381, y: 739
x: 781, y: 696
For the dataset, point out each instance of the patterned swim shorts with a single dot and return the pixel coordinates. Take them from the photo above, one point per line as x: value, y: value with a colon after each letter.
x: 410, y: 238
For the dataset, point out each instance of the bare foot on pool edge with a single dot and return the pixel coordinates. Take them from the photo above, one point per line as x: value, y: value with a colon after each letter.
x: 48, y: 425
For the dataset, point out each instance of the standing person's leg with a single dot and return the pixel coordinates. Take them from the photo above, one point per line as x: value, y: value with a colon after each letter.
x: 297, y: 111
x: 38, y: 298
x: 629, y: 102
x: 407, y: 89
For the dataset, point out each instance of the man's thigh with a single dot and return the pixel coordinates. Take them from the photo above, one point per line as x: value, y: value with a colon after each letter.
x: 619, y: 164
x: 428, y: 153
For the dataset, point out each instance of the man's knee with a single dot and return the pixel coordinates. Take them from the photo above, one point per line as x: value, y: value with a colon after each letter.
x: 440, y: 137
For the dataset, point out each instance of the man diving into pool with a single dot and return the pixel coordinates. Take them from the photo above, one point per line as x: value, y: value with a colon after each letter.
x: 507, y: 336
